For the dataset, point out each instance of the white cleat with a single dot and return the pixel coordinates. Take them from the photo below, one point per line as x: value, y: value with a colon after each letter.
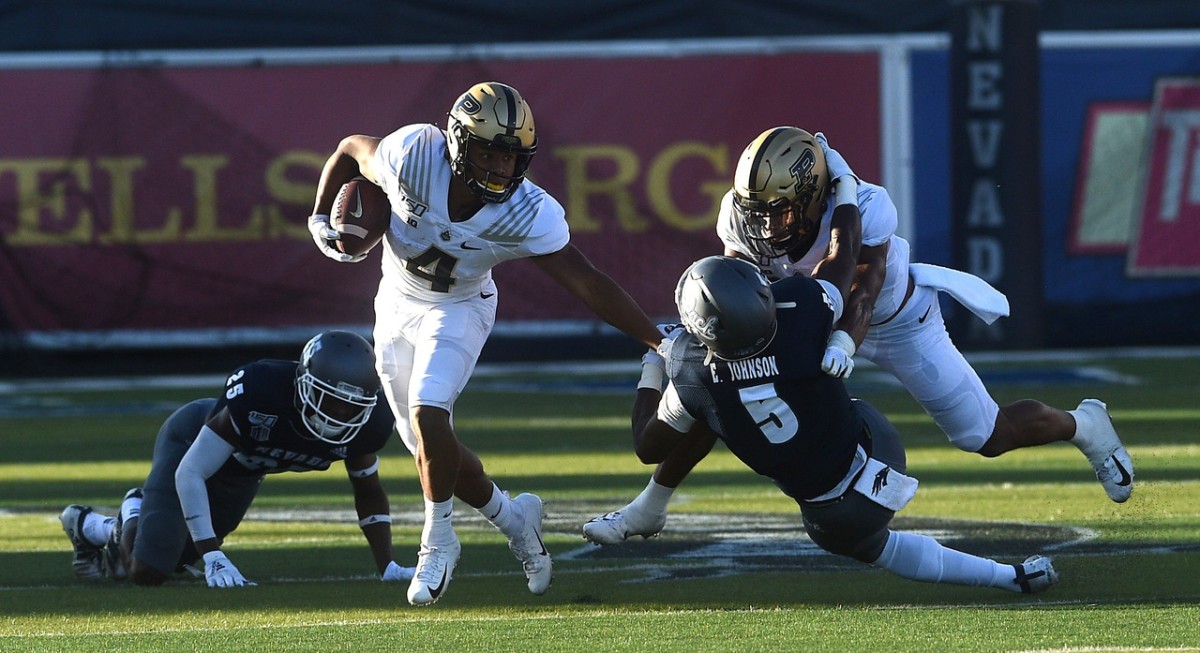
x: 89, y: 558
x: 435, y: 566
x: 1098, y: 440
x: 529, y: 547
x: 1036, y: 574
x: 619, y: 525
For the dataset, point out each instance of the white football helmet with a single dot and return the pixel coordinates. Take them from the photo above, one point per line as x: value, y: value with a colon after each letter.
x: 780, y: 190
x: 336, y: 385
x: 491, y: 115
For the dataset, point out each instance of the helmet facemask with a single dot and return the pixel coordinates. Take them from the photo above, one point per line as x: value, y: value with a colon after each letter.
x: 336, y: 386
x: 774, y: 229
x: 333, y: 414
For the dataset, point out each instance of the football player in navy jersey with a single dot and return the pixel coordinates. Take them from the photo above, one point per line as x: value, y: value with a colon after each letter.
x: 211, y: 455
x: 748, y: 371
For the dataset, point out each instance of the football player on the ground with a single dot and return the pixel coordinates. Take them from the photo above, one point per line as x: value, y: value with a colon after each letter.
x: 789, y: 191
x: 749, y: 371
x: 211, y: 455
x: 460, y: 206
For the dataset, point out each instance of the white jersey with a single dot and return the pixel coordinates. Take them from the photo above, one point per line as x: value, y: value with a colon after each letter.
x: 433, y: 259
x: 878, y: 227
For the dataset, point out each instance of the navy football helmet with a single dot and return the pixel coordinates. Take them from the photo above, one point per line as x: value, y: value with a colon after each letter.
x: 727, y: 303
x: 336, y: 385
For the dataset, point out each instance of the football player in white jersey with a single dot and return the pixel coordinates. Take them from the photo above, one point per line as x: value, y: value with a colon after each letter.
x: 779, y: 215
x: 460, y: 205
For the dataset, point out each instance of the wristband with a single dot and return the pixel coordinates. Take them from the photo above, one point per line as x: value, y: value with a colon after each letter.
x: 846, y: 190
x: 374, y: 519
x: 652, y: 372
x: 843, y: 341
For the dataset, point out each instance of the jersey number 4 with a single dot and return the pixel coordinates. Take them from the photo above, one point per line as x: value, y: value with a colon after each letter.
x: 775, y: 418
x: 434, y: 266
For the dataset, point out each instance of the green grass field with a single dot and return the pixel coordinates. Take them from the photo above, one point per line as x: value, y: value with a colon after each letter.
x: 732, y: 571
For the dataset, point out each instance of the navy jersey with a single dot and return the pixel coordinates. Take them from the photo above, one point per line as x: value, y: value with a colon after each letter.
x: 261, y: 398
x: 777, y: 411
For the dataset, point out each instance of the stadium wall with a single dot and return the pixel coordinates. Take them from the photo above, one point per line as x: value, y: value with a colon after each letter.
x: 156, y: 199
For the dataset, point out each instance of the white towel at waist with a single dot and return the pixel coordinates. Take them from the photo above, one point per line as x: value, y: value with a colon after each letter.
x: 967, y: 289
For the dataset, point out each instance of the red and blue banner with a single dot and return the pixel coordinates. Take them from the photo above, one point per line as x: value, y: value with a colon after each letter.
x: 152, y: 200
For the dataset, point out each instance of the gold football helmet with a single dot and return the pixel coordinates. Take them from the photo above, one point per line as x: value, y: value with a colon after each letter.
x: 491, y: 115
x: 779, y: 191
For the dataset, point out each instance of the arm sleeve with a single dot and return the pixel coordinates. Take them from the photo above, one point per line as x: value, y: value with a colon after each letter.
x: 833, y: 299
x: 671, y: 411
x: 202, y: 460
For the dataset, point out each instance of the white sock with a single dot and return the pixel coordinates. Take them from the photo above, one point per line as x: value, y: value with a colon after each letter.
x: 1082, y: 426
x: 653, y: 499
x: 919, y: 557
x: 439, y: 526
x: 499, y: 511
x: 97, y: 528
x: 131, y: 508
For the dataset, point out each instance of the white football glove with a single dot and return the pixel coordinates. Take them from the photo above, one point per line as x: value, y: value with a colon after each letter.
x: 324, y: 236
x: 833, y: 160
x: 669, y: 332
x: 839, y: 355
x: 396, y: 572
x: 220, y: 572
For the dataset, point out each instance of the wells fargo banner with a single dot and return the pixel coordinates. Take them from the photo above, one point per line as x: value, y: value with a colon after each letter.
x: 150, y: 201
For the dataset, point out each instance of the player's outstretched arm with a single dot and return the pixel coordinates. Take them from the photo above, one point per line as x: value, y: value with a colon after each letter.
x: 609, y: 301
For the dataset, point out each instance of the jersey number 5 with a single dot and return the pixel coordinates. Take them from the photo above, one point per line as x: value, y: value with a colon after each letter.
x: 774, y: 417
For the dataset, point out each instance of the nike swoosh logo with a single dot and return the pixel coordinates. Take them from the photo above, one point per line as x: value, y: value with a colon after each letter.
x: 357, y: 212
x: 1126, y: 479
x: 487, y: 295
x: 468, y: 247
x: 435, y: 592
x: 921, y: 320
x: 541, y: 543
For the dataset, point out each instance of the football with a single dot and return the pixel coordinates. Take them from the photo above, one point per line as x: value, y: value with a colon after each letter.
x: 362, y: 214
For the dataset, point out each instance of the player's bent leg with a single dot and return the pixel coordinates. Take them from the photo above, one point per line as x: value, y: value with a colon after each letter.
x: 145, y: 575
x: 1027, y: 423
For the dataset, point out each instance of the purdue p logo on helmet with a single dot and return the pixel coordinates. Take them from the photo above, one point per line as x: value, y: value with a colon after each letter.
x: 779, y: 191
x: 492, y: 115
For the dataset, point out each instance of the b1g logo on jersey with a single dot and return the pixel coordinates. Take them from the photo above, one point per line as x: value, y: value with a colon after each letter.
x: 261, y: 425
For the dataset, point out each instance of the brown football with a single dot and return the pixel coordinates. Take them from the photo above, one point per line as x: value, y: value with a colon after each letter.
x: 362, y: 214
